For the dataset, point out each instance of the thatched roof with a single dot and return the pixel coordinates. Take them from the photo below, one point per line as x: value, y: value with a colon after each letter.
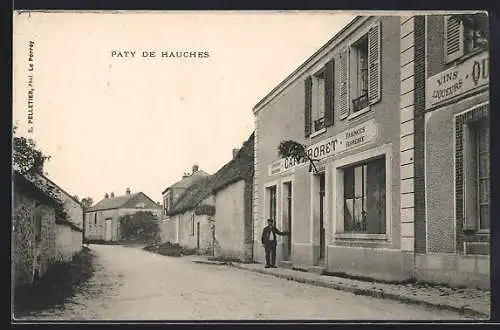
x: 239, y: 168
x: 33, y: 189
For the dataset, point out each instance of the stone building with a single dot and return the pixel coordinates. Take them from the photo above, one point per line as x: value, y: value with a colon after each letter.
x: 102, y: 221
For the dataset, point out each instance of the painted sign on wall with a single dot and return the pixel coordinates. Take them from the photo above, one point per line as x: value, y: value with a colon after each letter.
x: 466, y: 76
x: 344, y: 141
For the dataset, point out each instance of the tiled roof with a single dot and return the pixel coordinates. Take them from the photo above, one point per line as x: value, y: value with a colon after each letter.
x: 112, y: 202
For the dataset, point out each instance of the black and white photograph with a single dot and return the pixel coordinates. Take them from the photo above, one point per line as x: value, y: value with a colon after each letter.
x: 250, y: 165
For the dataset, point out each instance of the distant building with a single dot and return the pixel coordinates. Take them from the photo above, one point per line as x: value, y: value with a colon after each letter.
x: 102, y: 221
x: 188, y: 220
x: 172, y: 193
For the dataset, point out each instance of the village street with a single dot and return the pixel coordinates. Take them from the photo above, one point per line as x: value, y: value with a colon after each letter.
x: 132, y: 284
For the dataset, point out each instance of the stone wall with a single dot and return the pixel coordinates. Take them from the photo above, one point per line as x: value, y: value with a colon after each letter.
x: 28, y: 255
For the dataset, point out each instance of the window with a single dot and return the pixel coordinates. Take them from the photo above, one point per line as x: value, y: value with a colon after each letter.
x: 271, y: 202
x: 360, y: 71
x: 464, y: 34
x: 319, y: 99
x: 318, y: 102
x: 477, y: 175
x: 364, y: 197
x: 359, y: 82
x: 140, y: 205
x: 95, y: 218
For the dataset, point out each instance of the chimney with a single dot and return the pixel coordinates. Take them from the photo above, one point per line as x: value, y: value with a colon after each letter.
x: 235, y: 152
x: 127, y: 191
x: 106, y: 195
x: 195, y: 168
x: 112, y: 195
x: 185, y: 175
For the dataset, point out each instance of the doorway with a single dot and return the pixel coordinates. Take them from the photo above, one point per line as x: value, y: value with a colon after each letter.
x: 198, y: 235
x: 321, y: 217
x: 288, y: 219
x: 318, y: 220
x: 107, y: 230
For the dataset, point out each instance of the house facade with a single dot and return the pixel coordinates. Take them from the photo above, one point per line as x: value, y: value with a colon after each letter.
x: 172, y: 193
x: 345, y: 213
x: 451, y: 148
x: 189, y: 221
x: 233, y: 189
x: 102, y: 221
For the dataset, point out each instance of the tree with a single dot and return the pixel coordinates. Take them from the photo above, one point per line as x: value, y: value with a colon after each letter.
x: 26, y: 158
x: 297, y: 151
x: 87, y: 202
x: 142, y: 225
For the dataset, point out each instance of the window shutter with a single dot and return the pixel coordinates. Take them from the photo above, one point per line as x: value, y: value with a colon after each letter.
x: 374, y: 64
x: 329, y: 93
x: 343, y: 87
x: 308, y: 106
x: 453, y: 39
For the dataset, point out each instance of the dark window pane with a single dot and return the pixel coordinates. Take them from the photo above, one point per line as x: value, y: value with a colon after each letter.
x: 349, y: 182
x: 484, y: 217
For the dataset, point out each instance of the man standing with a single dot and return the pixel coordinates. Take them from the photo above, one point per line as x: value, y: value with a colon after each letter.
x: 269, y: 241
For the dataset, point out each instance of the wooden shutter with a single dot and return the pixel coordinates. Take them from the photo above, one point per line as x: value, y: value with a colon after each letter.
x: 308, y: 106
x: 344, y: 86
x: 453, y: 39
x: 329, y: 93
x: 374, y: 64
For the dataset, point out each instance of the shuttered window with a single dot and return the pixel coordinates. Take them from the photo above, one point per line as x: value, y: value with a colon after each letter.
x: 329, y: 93
x: 453, y: 39
x: 307, y: 106
x: 374, y: 64
x: 343, y: 70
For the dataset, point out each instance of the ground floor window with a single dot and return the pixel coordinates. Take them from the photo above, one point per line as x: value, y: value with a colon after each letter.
x: 364, y: 197
x: 477, y: 174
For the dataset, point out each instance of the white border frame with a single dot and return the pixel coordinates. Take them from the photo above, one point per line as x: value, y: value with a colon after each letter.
x: 338, y: 192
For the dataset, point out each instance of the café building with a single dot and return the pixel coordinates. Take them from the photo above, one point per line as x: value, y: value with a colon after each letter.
x: 352, y: 210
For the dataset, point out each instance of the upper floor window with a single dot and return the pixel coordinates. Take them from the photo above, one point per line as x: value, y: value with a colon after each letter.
x: 464, y: 34
x: 359, y: 81
x: 360, y: 73
x: 140, y: 205
x: 319, y: 100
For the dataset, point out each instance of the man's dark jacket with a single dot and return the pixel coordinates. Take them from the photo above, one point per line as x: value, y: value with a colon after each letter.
x: 265, y: 234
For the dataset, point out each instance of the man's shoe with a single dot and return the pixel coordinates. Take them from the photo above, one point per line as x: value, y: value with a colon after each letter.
x: 267, y: 266
x: 274, y: 266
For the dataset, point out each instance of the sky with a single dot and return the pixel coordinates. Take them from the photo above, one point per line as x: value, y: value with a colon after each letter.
x: 110, y: 122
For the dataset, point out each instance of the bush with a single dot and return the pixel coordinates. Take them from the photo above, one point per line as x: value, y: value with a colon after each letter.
x: 170, y: 249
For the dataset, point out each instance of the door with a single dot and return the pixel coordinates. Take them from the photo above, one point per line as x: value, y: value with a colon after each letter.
x: 288, y: 201
x: 107, y: 230
x: 321, y: 217
x: 198, y: 235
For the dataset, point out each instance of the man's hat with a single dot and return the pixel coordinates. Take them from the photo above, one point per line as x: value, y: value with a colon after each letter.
x: 270, y: 220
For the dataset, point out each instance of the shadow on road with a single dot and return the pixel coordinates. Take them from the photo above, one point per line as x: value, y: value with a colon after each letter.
x: 61, y: 282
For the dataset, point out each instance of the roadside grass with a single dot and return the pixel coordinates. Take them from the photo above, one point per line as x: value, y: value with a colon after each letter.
x: 60, y: 282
